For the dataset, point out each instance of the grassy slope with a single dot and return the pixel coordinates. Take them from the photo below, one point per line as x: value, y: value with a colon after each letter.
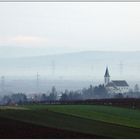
x: 40, y: 114
x: 122, y: 116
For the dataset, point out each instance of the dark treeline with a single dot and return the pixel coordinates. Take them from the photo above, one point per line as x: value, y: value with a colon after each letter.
x: 18, y: 98
x: 96, y: 92
x: 92, y: 92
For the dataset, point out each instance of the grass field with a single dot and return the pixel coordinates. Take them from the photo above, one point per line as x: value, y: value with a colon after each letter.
x: 122, y: 116
x: 112, y: 122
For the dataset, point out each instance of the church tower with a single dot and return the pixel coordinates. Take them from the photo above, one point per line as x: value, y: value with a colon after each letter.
x: 106, y: 76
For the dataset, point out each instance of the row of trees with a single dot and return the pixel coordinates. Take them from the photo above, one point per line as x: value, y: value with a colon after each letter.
x: 43, y: 97
x: 97, y: 92
x: 86, y: 93
x: 18, y: 98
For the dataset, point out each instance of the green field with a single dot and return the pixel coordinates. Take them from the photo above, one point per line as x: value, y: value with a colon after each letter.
x: 113, y: 122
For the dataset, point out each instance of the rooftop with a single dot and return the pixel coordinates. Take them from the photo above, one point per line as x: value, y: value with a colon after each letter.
x: 120, y: 83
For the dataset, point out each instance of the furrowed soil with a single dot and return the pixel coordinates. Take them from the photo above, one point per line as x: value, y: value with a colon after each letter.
x: 69, y: 121
x: 13, y: 129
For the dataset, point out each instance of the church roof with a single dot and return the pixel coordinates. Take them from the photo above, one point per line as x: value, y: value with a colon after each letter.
x: 110, y: 84
x: 107, y: 73
x: 120, y: 83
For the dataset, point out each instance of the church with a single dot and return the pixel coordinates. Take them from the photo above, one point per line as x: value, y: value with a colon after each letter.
x: 115, y: 86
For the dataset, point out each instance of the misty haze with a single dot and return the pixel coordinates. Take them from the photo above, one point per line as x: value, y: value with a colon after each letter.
x: 69, y: 45
x: 70, y: 70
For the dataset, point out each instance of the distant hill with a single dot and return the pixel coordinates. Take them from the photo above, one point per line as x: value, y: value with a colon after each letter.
x: 82, y: 64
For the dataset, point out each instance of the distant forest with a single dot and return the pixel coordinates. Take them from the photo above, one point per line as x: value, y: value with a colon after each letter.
x: 97, y: 92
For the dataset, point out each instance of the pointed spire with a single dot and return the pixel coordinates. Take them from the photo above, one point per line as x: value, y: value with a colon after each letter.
x: 106, y: 73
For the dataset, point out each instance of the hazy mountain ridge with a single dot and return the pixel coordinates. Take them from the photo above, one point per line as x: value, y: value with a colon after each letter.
x: 75, y: 63
x: 77, y: 56
x: 62, y: 70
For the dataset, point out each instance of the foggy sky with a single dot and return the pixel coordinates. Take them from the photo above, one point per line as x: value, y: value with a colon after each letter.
x: 48, y: 28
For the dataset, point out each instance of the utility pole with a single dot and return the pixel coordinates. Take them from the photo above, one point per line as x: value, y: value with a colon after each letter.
x: 92, y: 69
x: 121, y: 68
x: 53, y: 68
x: 2, y: 83
x: 37, y: 82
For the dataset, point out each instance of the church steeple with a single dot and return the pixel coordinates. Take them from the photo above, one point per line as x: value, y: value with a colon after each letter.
x: 106, y: 76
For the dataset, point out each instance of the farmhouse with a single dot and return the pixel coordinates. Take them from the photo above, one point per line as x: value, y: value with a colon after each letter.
x: 115, y: 86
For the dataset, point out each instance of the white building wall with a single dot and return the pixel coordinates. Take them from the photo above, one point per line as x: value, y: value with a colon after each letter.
x: 123, y: 89
x: 117, y: 90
